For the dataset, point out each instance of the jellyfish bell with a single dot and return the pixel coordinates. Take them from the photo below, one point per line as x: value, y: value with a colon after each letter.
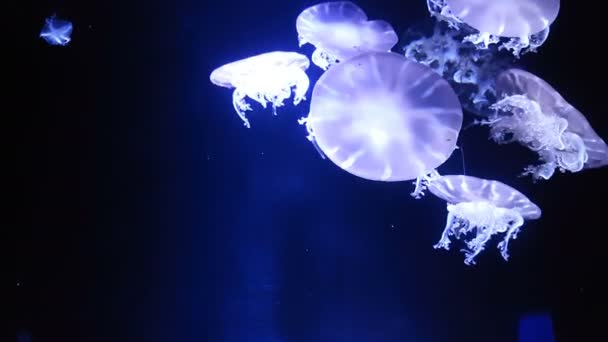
x: 482, y: 207
x: 340, y: 30
x: 383, y: 117
x: 538, y: 117
x: 268, y: 77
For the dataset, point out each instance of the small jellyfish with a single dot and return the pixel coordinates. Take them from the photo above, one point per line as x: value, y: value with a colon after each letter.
x: 56, y: 31
x: 482, y: 207
x: 268, y: 77
x: 340, y: 30
x: 532, y: 113
x: 383, y: 117
x: 525, y: 22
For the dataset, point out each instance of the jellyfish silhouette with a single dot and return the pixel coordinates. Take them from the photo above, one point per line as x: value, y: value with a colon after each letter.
x: 268, y: 77
x: 340, y: 30
x: 538, y: 117
x: 525, y: 22
x: 56, y: 31
x: 483, y: 207
x: 383, y: 117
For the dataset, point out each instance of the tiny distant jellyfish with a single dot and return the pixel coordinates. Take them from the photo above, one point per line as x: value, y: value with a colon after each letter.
x: 382, y: 117
x: 56, y: 31
x: 529, y: 111
x: 269, y: 77
x: 340, y: 30
x: 480, y: 207
x: 525, y: 23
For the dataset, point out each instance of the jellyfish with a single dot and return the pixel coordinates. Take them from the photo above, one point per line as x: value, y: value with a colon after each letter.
x: 529, y: 111
x: 525, y: 23
x: 340, y: 30
x: 383, y: 117
x: 268, y: 77
x: 56, y: 31
x: 482, y: 207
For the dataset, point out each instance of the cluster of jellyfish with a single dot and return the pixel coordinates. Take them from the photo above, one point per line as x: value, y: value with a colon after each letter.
x: 396, y: 116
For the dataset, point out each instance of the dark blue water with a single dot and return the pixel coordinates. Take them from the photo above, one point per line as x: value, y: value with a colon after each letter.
x: 152, y: 214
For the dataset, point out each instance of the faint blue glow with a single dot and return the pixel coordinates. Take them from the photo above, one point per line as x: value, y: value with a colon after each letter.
x: 536, y: 328
x: 56, y: 31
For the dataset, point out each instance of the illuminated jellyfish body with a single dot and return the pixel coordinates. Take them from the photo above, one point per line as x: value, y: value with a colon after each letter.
x: 525, y: 23
x: 481, y: 207
x: 56, y: 31
x: 268, y: 77
x: 383, y: 117
x: 472, y: 72
x: 340, y: 30
x: 535, y: 115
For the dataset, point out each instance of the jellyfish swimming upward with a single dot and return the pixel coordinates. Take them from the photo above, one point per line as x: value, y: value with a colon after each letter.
x: 340, y: 30
x: 534, y: 114
x: 269, y: 77
x: 480, y: 207
x: 383, y: 117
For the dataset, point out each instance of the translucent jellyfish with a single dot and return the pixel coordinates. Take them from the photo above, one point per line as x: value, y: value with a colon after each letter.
x: 531, y: 112
x: 383, y: 117
x: 56, y: 31
x: 482, y: 207
x: 340, y: 30
x: 268, y: 77
x: 524, y: 22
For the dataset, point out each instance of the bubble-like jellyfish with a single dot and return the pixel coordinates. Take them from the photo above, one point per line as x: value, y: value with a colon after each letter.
x: 268, y: 77
x: 482, y: 207
x: 525, y: 23
x: 532, y: 113
x: 340, y: 30
x: 56, y: 31
x: 383, y: 117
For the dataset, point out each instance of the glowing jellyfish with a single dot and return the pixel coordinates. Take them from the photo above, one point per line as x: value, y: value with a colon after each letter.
x: 56, y: 31
x: 525, y: 22
x: 340, y: 30
x: 268, y: 77
x: 383, y: 117
x: 482, y: 207
x: 538, y: 117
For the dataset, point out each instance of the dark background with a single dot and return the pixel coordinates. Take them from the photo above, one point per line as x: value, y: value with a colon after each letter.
x: 145, y: 211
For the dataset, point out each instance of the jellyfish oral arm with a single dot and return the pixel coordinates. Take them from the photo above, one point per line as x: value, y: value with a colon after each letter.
x: 484, y: 220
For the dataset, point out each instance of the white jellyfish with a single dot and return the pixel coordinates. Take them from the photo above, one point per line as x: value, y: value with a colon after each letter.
x: 532, y: 113
x: 482, y: 207
x: 340, y: 30
x: 268, y: 77
x: 383, y: 117
x: 56, y: 31
x: 524, y: 22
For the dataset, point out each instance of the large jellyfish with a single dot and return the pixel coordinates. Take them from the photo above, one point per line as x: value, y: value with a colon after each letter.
x: 268, y: 77
x: 524, y: 22
x: 56, y: 31
x: 383, y: 117
x: 340, y: 30
x: 482, y: 207
x: 538, y: 117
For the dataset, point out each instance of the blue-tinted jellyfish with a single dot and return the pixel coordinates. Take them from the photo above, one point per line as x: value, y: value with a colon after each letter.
x: 532, y: 113
x: 470, y: 71
x: 56, y: 31
x: 269, y: 77
x: 524, y: 23
x: 481, y: 207
x: 383, y: 117
x: 340, y: 30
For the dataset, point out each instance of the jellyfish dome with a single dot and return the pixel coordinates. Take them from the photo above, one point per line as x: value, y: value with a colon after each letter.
x: 482, y: 207
x: 268, y: 77
x: 340, y: 30
x: 525, y: 22
x: 538, y: 117
x: 383, y: 117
